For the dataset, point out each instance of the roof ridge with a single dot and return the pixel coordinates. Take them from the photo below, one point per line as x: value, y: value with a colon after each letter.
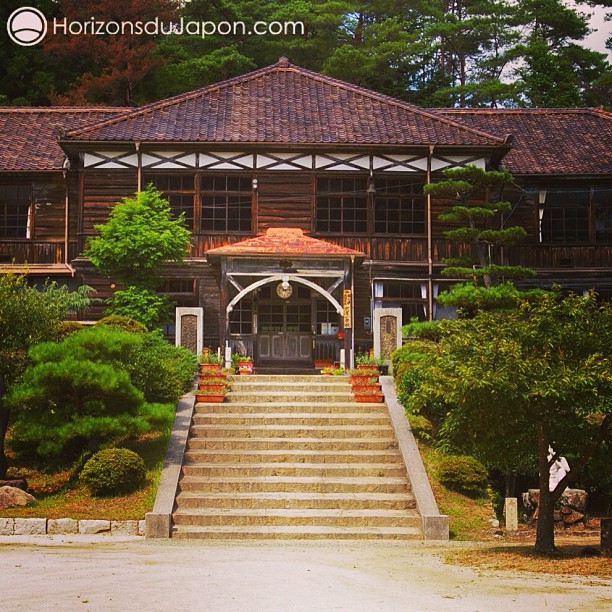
x: 574, y: 110
x: 282, y: 65
x: 187, y: 95
x: 72, y: 109
x: 389, y: 99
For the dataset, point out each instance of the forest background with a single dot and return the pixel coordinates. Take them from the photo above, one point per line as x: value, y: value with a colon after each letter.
x: 472, y: 53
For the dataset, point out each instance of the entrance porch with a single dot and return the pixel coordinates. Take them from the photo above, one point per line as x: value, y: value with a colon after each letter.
x: 286, y: 300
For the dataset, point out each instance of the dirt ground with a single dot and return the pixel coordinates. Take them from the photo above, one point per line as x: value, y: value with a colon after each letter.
x: 103, y: 573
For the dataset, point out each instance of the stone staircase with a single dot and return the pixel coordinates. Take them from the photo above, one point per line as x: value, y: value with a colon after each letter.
x: 293, y: 457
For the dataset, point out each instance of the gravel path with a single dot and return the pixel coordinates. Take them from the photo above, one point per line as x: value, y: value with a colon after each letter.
x: 102, y: 573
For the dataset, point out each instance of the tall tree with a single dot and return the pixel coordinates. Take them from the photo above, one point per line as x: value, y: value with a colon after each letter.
x: 533, y: 377
x: 139, y: 236
x: 474, y: 201
x: 109, y: 68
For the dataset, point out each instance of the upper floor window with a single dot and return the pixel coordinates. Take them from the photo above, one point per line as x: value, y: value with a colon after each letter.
x: 564, y: 216
x: 226, y: 203
x: 179, y: 190
x: 399, y: 207
x: 15, y: 211
x: 342, y: 205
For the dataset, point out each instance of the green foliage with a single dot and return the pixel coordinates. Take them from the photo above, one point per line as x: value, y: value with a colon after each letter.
x: 518, y: 380
x: 141, y: 304
x: 123, y: 322
x: 27, y: 316
x: 162, y: 371
x: 138, y: 237
x: 71, y: 301
x: 427, y: 330
x: 463, y: 474
x: 69, y: 327
x: 94, y: 387
x: 113, y: 471
x: 469, y: 298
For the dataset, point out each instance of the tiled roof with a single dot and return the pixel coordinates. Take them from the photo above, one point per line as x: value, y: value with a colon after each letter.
x: 286, y: 242
x: 575, y: 141
x: 285, y: 104
x: 28, y: 136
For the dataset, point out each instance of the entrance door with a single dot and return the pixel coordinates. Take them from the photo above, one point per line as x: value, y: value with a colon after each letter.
x: 284, y: 329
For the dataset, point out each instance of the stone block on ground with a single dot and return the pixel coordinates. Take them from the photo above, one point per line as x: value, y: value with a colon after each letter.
x: 7, y: 526
x: 13, y: 496
x: 92, y: 527
x: 62, y: 526
x: 142, y: 525
x: 30, y: 526
x: 124, y: 527
x: 18, y: 483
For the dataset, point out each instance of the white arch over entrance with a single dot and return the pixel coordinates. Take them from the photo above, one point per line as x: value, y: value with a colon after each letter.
x: 285, y: 278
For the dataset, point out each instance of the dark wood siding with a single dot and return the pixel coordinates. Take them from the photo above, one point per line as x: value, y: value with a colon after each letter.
x: 285, y: 200
x: 102, y: 189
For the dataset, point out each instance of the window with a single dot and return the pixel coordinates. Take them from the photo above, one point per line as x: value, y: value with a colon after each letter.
x: 328, y: 320
x: 602, y: 215
x: 226, y: 204
x: 410, y: 296
x: 180, y: 291
x: 241, y: 317
x: 179, y: 190
x: 399, y: 207
x: 342, y: 205
x: 15, y: 211
x: 564, y: 218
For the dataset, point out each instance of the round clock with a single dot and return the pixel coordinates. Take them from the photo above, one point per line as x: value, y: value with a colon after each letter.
x: 284, y: 290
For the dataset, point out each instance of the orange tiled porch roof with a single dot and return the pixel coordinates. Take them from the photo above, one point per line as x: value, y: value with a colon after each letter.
x: 284, y: 241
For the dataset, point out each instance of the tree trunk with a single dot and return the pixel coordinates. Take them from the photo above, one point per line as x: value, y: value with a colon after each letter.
x: 510, y: 484
x: 545, y: 532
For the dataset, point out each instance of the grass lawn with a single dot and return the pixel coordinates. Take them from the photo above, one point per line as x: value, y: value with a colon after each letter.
x: 57, y: 497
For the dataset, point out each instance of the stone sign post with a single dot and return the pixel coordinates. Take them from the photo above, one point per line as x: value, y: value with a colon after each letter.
x: 190, y: 328
x: 511, y: 513
x: 387, y: 331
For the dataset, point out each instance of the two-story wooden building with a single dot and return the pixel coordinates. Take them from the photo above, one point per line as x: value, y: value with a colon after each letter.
x: 304, y: 195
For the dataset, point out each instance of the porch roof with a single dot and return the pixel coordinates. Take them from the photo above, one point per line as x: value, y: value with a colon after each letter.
x: 284, y: 241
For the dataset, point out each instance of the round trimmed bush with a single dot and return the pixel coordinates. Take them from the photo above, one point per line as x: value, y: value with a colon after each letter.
x: 464, y: 474
x: 124, y: 323
x: 113, y: 471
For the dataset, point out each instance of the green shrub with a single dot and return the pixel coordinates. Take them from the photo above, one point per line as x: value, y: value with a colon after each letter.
x: 163, y: 372
x: 113, y: 471
x: 68, y: 327
x: 123, y: 322
x: 464, y: 474
x: 142, y: 304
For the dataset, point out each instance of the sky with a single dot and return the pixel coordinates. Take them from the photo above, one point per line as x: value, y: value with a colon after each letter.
x: 596, y: 40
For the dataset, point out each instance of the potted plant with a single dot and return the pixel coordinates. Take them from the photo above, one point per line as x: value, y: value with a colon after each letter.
x: 210, y: 361
x: 368, y: 396
x: 213, y: 384
x: 364, y: 361
x: 206, y: 396
x: 362, y: 374
x: 332, y: 371
x: 245, y: 364
x: 365, y: 385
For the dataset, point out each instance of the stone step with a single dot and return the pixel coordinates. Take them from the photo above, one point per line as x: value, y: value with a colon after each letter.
x: 288, y: 396
x: 260, y: 532
x: 291, y: 431
x: 296, y: 419
x: 328, y: 517
x: 290, y: 444
x: 281, y: 379
x: 316, y: 484
x: 290, y: 407
x: 292, y: 456
x: 311, y: 470
x: 342, y: 386
x: 398, y: 501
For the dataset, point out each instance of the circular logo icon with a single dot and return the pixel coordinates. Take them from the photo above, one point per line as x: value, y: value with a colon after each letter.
x: 26, y: 26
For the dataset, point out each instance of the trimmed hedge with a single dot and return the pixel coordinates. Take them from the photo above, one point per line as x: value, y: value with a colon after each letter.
x: 113, y: 471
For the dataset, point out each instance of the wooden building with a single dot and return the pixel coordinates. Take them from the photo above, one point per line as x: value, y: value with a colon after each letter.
x: 304, y: 195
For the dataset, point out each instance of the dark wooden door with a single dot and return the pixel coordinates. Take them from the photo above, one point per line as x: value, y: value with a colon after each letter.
x: 285, y: 330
